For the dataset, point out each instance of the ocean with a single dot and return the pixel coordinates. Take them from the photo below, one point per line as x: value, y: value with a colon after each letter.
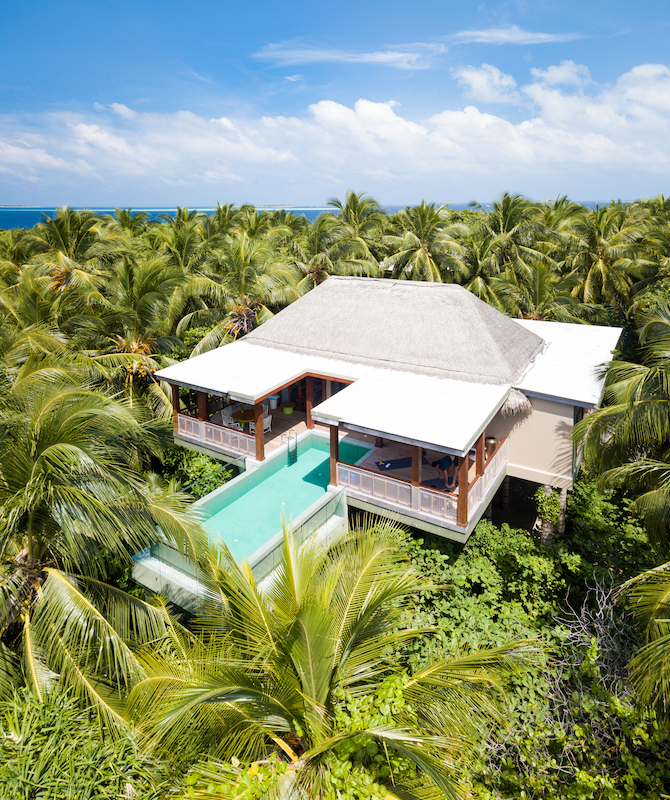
x: 25, y: 217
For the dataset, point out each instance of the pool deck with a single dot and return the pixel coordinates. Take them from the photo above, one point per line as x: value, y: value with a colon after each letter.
x: 297, y: 421
x: 282, y: 423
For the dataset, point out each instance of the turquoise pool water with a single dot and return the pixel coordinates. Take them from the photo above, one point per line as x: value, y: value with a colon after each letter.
x: 248, y: 512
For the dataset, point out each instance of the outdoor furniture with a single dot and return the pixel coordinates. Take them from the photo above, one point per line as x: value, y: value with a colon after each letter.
x: 287, y: 408
x: 229, y: 422
x: 267, y: 425
x: 244, y: 416
x: 228, y: 411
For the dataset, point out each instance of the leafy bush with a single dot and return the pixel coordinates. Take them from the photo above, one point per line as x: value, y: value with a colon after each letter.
x: 51, y: 750
x: 576, y: 729
x: 199, y: 474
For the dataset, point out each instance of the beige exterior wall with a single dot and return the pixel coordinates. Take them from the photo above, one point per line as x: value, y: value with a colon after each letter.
x: 539, y: 446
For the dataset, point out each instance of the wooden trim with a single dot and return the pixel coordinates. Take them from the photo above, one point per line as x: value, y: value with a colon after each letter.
x: 384, y: 476
x: 298, y: 379
x: 479, y: 454
x: 202, y: 406
x: 462, y: 514
x: 334, y: 453
x: 175, y: 408
x: 498, y: 446
x: 416, y: 466
x: 258, y: 432
x: 309, y: 401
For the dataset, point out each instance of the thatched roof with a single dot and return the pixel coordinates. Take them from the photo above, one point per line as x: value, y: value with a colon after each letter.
x: 427, y: 328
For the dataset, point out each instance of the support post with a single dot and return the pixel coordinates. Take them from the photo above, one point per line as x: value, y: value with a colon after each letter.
x: 309, y: 401
x: 258, y: 431
x: 547, y: 528
x: 504, y: 494
x: 416, y: 465
x: 175, y: 408
x: 328, y: 390
x: 561, y: 515
x: 462, y: 514
x: 202, y: 406
x: 479, y: 454
x: 334, y: 453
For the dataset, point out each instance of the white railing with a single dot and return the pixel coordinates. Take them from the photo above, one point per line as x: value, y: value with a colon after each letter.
x: 366, y: 484
x: 438, y: 504
x: 492, y: 472
x: 226, y: 440
x: 421, y: 499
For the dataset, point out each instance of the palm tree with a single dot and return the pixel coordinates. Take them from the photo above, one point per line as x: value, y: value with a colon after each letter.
x: 425, y: 248
x: 299, y: 679
x: 515, y: 220
x: 361, y: 224
x: 628, y: 441
x: 181, y: 242
x: 71, y: 502
x: 73, y: 245
x: 320, y: 252
x: 133, y: 223
x: 540, y: 292
x: 242, y: 282
x: 606, y: 255
x: 478, y: 264
x: 648, y: 596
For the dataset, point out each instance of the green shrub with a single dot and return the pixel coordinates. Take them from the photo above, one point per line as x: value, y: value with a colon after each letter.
x: 199, y: 474
x: 51, y: 750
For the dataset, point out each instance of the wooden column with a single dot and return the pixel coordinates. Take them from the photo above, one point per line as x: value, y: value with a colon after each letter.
x: 334, y: 453
x: 175, y: 408
x: 462, y: 517
x: 202, y: 406
x: 416, y: 465
x: 309, y: 400
x: 479, y: 454
x: 259, y: 433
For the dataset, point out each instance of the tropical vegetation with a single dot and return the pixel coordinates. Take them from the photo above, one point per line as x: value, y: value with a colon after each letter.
x: 378, y: 667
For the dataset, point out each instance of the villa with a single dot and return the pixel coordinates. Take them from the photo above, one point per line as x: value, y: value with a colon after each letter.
x: 410, y: 373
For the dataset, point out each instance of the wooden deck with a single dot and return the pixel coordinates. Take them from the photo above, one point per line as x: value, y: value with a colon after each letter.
x: 283, y: 423
x: 393, y: 450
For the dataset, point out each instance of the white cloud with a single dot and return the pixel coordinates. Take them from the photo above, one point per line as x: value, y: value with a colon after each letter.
x: 587, y: 141
x: 293, y: 77
x: 567, y: 73
x: 510, y: 34
x: 411, y: 56
x: 488, y: 84
x: 121, y: 110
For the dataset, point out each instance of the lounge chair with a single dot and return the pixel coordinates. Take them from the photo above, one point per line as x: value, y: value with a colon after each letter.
x: 267, y: 425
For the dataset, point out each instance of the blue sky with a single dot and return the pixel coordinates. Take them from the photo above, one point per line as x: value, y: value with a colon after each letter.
x: 293, y: 103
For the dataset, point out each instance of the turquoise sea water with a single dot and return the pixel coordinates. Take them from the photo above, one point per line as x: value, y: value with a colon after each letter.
x: 24, y: 217
x: 249, y: 513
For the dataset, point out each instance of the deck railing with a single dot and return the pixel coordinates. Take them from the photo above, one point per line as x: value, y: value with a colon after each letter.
x: 365, y: 483
x: 421, y: 500
x: 438, y: 504
x: 481, y: 489
x: 225, y: 440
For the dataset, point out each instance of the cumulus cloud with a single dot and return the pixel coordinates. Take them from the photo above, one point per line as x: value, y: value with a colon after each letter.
x: 567, y: 73
x: 488, y: 84
x: 587, y: 141
x: 510, y: 34
x: 120, y: 109
x: 411, y: 56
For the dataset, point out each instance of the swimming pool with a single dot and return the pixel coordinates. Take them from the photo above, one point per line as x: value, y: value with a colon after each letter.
x: 247, y: 512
